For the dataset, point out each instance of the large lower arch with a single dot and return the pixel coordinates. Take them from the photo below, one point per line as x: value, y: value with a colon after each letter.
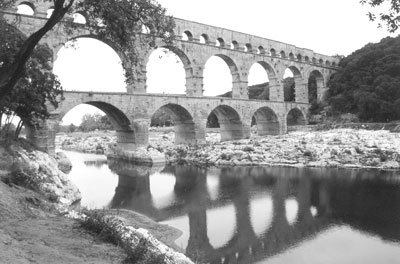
x: 126, y: 134
x: 182, y: 120
x: 231, y: 126
x: 267, y: 122
x: 295, y: 117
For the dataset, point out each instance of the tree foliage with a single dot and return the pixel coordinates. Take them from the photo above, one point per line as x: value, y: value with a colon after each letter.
x: 37, y: 88
x: 368, y: 82
x: 114, y: 21
x: 390, y: 18
x: 91, y: 122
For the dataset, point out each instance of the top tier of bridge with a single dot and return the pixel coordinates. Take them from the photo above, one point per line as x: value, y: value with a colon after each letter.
x: 224, y: 38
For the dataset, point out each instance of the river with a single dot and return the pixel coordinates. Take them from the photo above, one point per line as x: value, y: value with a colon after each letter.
x: 256, y: 214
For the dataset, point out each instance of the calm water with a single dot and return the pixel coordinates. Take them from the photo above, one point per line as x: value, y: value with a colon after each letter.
x: 256, y: 215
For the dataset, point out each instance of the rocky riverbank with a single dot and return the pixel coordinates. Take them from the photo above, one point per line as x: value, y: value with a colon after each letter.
x: 34, y: 194
x: 338, y: 148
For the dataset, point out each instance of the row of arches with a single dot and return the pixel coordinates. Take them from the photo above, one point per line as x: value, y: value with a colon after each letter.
x: 28, y: 8
x: 258, y: 49
x: 92, y: 65
x: 188, y: 129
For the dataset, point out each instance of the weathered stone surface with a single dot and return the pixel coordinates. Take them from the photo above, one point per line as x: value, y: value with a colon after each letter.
x: 64, y: 164
x: 41, y: 172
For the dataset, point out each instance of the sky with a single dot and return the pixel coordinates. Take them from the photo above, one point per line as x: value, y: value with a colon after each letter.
x: 325, y: 26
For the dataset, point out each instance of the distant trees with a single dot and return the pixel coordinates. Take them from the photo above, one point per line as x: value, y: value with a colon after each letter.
x: 368, y: 82
x: 91, y: 122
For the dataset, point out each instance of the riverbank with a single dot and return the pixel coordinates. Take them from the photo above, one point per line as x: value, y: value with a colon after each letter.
x: 336, y: 148
x: 35, y: 195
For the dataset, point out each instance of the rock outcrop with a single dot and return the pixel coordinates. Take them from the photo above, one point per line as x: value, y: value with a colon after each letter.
x: 41, y: 172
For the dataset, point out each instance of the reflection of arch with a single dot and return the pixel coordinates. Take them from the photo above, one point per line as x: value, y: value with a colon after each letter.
x: 315, y: 85
x: 267, y: 121
x: 183, y: 122
x: 295, y: 117
x: 230, y: 122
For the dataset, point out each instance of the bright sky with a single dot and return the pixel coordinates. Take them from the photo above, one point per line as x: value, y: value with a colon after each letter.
x: 325, y: 26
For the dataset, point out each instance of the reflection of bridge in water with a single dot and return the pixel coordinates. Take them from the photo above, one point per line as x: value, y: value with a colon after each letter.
x: 237, y: 186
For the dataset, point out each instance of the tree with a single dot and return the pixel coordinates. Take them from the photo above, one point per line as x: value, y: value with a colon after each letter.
x: 114, y: 21
x: 37, y: 87
x: 367, y: 82
x: 391, y: 18
x: 91, y: 122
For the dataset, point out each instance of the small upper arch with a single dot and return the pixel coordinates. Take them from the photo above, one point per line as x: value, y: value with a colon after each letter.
x: 204, y: 39
x: 220, y: 42
x: 187, y: 36
x: 26, y: 8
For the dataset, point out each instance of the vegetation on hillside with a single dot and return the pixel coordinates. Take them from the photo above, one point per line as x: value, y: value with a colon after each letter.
x: 368, y: 82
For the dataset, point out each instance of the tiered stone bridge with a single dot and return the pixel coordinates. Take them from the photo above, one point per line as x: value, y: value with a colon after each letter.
x: 131, y: 112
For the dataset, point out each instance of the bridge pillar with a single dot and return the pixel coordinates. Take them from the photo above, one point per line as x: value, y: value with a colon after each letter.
x: 200, y: 125
x: 304, y: 200
x: 239, y: 90
x: 231, y: 130
x: 194, y: 82
x: 185, y: 132
x: 275, y: 89
x: 43, y: 136
x: 126, y: 140
x: 268, y: 127
x: 141, y: 129
x: 301, y: 87
x: 321, y: 90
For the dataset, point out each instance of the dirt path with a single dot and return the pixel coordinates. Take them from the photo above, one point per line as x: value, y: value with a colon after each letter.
x: 30, y: 234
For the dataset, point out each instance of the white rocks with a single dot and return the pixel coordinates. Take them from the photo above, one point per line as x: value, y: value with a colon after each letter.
x: 41, y: 172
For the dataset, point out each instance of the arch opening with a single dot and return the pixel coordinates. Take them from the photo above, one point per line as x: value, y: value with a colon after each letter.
x: 204, y: 39
x: 315, y: 86
x: 220, y: 72
x: 289, y: 91
x: 283, y: 54
x: 79, y: 18
x: 187, y: 36
x: 272, y: 52
x: 260, y: 50
x: 220, y: 43
x: 26, y: 8
x: 228, y: 121
x: 248, y: 47
x: 101, y: 117
x: 88, y: 64
x: 234, y: 45
x: 178, y: 117
x: 266, y: 122
x: 167, y: 71
x: 258, y: 80
x: 295, y: 117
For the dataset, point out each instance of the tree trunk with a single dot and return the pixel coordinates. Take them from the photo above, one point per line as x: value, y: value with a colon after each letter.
x: 10, y: 75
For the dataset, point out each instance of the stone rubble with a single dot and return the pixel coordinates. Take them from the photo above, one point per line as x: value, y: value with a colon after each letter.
x: 345, y: 148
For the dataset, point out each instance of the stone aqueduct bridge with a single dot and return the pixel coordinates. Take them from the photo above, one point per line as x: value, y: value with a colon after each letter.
x: 131, y: 112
